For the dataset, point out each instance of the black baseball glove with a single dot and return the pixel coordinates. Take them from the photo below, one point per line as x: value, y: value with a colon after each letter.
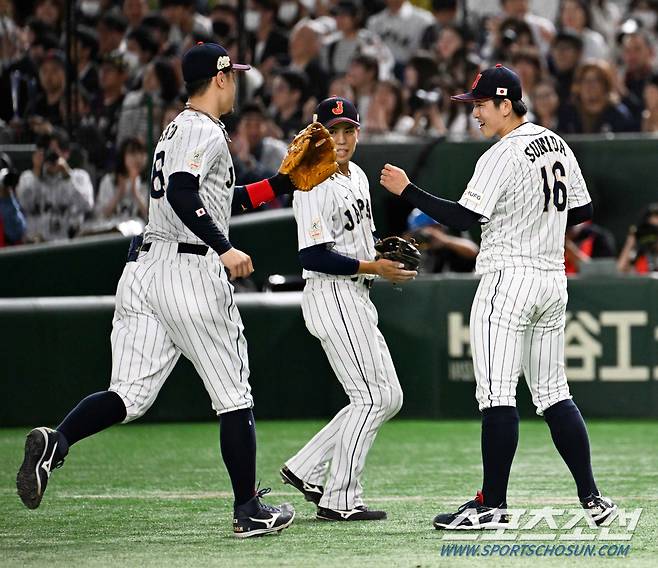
x: 400, y: 250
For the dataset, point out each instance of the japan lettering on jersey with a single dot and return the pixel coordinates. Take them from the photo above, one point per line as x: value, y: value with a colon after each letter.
x: 523, y: 187
x: 337, y: 212
x: 193, y: 143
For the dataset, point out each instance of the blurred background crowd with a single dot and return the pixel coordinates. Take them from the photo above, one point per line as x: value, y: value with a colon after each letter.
x: 92, y: 84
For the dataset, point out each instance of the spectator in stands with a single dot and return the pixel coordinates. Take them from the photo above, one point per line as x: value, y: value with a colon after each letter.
x: 528, y: 65
x: 645, y: 12
x: 107, y: 106
x: 224, y: 19
x: 351, y: 40
x: 288, y: 96
x: 545, y: 104
x: 54, y: 197
x: 508, y: 36
x: 442, y: 249
x: 640, y: 252
x: 19, y: 82
x: 86, y: 49
x: 401, y: 26
x: 160, y: 28
x: 584, y: 242
x: 51, y: 13
x: 596, y: 107
x: 566, y: 54
x: 268, y: 42
x: 304, y: 53
x: 134, y: 11
x: 184, y: 19
x: 111, y: 29
x: 639, y: 63
x: 574, y: 15
x: 255, y: 149
x: 542, y: 29
x: 457, y: 68
x: 123, y: 194
x: 86, y: 133
x: 141, y: 48
x: 605, y: 18
x: 445, y: 14
x: 44, y: 111
x: 340, y: 87
x: 650, y: 114
x: 12, y: 220
x: 141, y: 110
x: 387, y: 113
x: 362, y: 77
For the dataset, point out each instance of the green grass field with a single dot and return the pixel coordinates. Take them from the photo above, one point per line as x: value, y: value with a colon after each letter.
x: 158, y: 495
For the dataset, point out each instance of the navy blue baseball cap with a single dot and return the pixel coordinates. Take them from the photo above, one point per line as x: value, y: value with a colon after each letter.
x: 498, y: 81
x: 336, y: 109
x: 205, y: 60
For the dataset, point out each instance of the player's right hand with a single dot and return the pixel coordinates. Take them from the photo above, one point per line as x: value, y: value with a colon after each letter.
x: 393, y: 271
x: 237, y: 263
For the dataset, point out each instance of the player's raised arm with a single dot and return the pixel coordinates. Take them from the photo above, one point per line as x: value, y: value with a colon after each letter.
x: 446, y: 212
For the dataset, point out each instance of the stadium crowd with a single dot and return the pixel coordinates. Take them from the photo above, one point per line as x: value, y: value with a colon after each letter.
x: 588, y: 66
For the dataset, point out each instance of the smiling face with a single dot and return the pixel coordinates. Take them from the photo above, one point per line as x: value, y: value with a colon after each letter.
x: 490, y: 118
x: 346, y: 136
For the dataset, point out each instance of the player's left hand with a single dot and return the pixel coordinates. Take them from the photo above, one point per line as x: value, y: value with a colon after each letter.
x: 394, y: 179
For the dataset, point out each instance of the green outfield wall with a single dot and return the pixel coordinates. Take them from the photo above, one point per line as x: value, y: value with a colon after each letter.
x: 57, y: 350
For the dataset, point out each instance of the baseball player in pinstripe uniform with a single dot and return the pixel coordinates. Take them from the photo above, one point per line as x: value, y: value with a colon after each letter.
x: 336, y: 248
x: 175, y: 297
x: 525, y: 191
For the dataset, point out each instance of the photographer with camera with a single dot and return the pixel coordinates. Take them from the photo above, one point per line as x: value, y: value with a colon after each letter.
x: 640, y: 252
x: 54, y: 196
x: 12, y: 221
x: 442, y: 249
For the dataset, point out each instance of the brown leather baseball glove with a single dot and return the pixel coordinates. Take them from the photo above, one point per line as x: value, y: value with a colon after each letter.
x: 311, y: 157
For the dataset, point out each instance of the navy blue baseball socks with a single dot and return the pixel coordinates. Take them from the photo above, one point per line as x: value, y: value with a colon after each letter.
x: 311, y: 492
x: 45, y: 450
x: 599, y: 508
x: 360, y: 513
x: 255, y: 518
x: 473, y: 515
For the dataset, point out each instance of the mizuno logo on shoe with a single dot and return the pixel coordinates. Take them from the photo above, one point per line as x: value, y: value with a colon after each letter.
x: 311, y: 488
x: 269, y: 523
x: 46, y: 465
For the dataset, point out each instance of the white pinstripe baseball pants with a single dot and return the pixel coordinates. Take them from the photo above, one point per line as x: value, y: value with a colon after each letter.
x: 340, y: 314
x: 167, y: 304
x: 517, y: 325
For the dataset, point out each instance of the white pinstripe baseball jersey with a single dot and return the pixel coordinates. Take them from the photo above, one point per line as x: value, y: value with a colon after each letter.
x: 522, y: 187
x: 337, y: 212
x: 338, y: 311
x: 197, y: 144
x: 170, y: 303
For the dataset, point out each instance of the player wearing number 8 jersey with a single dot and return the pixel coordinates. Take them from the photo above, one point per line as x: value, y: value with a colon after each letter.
x: 525, y: 191
x: 175, y: 298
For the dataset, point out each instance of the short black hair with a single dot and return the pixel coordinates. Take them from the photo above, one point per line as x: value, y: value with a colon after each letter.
x: 197, y: 87
x: 518, y: 107
x: 143, y: 36
x: 296, y: 80
x: 253, y: 107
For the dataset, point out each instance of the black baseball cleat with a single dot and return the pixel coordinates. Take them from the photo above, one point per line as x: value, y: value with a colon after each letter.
x: 311, y: 492
x: 600, y: 508
x: 360, y: 513
x: 473, y: 515
x: 255, y: 518
x: 41, y: 457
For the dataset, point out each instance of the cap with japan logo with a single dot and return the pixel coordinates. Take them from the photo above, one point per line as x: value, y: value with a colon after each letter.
x: 498, y: 81
x: 336, y: 109
x: 205, y: 60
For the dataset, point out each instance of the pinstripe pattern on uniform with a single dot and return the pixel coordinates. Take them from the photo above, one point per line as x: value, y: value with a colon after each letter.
x: 194, y: 132
x: 326, y: 205
x: 339, y: 313
x: 508, y: 334
x: 168, y: 304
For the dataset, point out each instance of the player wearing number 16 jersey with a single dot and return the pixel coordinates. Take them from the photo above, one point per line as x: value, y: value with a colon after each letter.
x: 175, y: 298
x: 525, y: 191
